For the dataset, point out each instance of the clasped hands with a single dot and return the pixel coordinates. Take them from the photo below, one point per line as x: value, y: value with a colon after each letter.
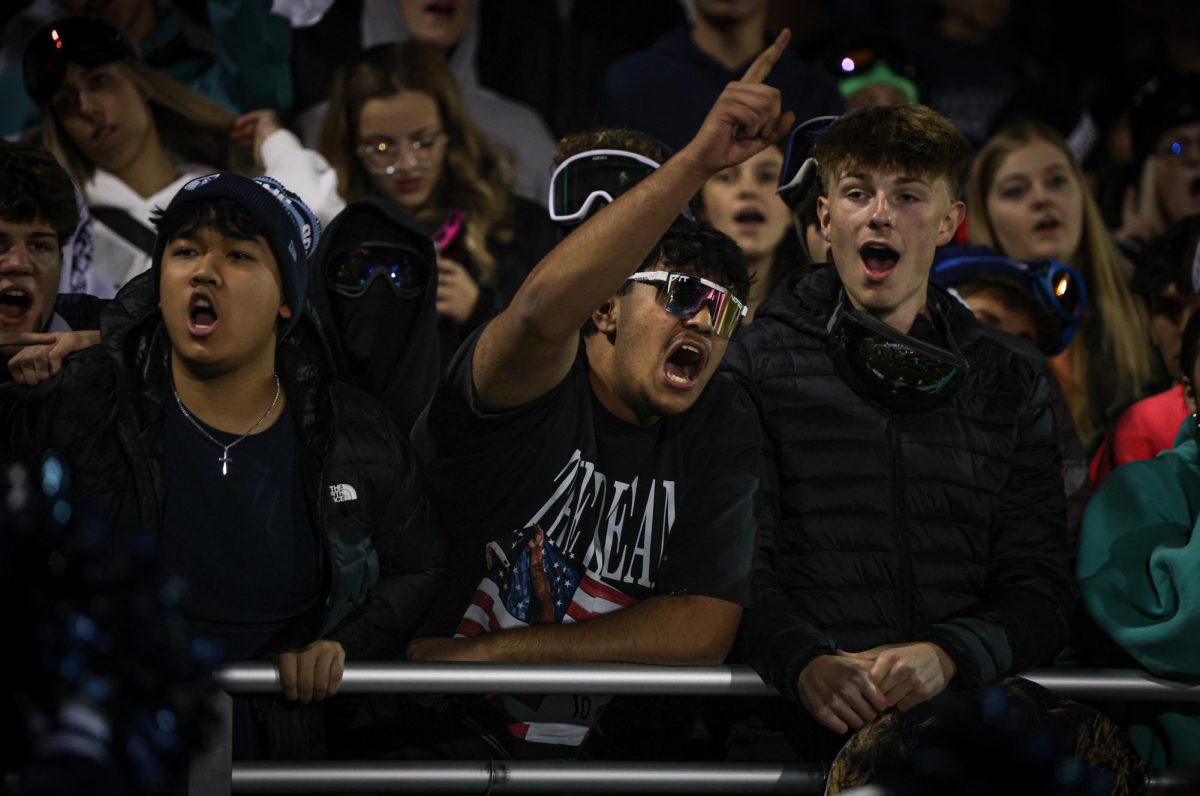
x: 846, y: 690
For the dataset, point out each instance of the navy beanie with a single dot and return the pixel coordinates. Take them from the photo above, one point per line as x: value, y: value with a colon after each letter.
x: 289, y: 226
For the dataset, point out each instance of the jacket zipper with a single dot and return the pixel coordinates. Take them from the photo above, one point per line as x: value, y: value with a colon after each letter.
x: 906, y: 573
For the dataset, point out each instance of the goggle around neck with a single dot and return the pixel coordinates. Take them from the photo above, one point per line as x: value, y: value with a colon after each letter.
x: 902, y: 370
x: 685, y: 295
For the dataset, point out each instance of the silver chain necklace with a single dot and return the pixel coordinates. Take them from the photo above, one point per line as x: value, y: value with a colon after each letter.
x: 225, y: 458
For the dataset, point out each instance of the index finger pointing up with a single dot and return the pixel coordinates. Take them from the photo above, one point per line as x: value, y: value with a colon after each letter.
x: 767, y: 59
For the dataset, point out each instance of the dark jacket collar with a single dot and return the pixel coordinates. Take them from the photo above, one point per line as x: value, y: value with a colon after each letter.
x: 808, y: 297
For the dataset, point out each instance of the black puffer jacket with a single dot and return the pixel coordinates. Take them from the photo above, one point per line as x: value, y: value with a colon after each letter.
x: 104, y: 414
x: 946, y: 525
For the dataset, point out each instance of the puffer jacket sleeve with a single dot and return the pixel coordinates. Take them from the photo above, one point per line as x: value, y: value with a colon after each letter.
x: 412, y: 562
x: 778, y: 642
x: 1022, y: 617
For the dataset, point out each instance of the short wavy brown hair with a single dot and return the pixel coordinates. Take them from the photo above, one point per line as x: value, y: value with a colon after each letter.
x: 912, y: 139
x: 33, y: 185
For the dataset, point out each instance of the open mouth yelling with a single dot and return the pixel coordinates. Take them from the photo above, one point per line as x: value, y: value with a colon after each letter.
x: 684, y: 364
x: 749, y: 219
x: 15, y: 305
x: 202, y: 316
x: 878, y: 260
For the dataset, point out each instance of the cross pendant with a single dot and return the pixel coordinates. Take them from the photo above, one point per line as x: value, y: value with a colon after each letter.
x: 225, y: 460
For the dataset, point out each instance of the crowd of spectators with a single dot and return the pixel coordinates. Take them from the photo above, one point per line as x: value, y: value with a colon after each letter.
x: 853, y: 341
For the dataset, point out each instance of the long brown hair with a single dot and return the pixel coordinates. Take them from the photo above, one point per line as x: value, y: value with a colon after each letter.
x: 189, y: 125
x: 1121, y: 335
x: 476, y: 176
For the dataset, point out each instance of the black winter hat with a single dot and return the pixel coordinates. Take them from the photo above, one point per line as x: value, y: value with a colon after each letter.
x: 290, y: 227
x: 1159, y: 105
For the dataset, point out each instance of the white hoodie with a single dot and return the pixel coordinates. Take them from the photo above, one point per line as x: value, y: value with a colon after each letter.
x: 301, y: 170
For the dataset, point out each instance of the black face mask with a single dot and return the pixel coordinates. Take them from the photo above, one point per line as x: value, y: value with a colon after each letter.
x: 900, y: 371
x: 375, y: 330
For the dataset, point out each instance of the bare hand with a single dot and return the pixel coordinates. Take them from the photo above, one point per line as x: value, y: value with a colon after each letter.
x: 448, y: 649
x: 457, y: 292
x: 838, y: 691
x: 251, y: 129
x: 39, y: 357
x: 745, y: 119
x: 907, y: 674
x: 314, y: 672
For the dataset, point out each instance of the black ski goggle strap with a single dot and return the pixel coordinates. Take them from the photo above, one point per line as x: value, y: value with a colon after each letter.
x: 799, y: 168
x: 80, y: 40
x: 896, y: 364
x: 352, y: 271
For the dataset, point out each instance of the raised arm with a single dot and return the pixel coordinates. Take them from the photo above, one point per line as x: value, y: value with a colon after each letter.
x: 530, y: 346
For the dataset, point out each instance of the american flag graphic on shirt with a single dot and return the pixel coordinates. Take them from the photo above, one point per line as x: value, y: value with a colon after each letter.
x: 530, y: 582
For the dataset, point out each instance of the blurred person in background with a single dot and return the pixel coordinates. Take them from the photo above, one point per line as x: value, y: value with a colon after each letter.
x: 1165, y: 125
x: 450, y: 27
x: 132, y: 137
x: 1027, y: 200
x: 666, y: 90
x: 741, y: 202
x: 234, y: 53
x: 1166, y: 282
x: 397, y: 128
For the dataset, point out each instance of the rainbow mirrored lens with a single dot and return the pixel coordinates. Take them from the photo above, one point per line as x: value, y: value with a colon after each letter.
x: 684, y: 296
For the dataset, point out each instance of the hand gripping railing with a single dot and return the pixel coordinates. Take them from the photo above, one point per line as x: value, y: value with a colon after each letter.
x: 214, y: 774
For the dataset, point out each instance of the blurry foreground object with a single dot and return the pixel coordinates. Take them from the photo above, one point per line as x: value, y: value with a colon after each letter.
x: 109, y: 694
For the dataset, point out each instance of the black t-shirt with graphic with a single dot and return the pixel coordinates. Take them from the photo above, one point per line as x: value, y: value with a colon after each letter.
x: 656, y: 510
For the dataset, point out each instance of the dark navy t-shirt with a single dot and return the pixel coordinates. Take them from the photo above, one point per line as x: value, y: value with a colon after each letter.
x: 243, y: 542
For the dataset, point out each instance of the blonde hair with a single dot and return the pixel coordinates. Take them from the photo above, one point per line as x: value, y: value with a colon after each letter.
x: 476, y: 176
x: 1118, y: 327
x: 189, y: 125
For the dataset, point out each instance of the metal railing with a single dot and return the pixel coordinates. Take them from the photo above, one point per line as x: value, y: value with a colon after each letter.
x: 214, y: 773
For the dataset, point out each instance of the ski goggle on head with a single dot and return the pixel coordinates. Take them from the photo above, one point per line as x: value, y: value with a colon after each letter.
x: 1056, y: 286
x: 351, y: 272
x: 799, y: 167
x: 597, y: 176
x: 685, y: 295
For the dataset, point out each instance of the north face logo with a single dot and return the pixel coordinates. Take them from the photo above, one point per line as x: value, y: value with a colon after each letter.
x: 342, y: 492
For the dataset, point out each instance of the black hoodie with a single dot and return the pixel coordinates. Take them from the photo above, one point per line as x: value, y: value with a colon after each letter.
x: 382, y: 342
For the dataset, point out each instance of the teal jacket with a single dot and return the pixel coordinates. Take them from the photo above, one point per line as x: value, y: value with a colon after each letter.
x: 1139, y: 576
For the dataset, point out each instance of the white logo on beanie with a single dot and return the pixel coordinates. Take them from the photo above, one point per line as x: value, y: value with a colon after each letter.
x: 306, y: 236
x: 196, y: 183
